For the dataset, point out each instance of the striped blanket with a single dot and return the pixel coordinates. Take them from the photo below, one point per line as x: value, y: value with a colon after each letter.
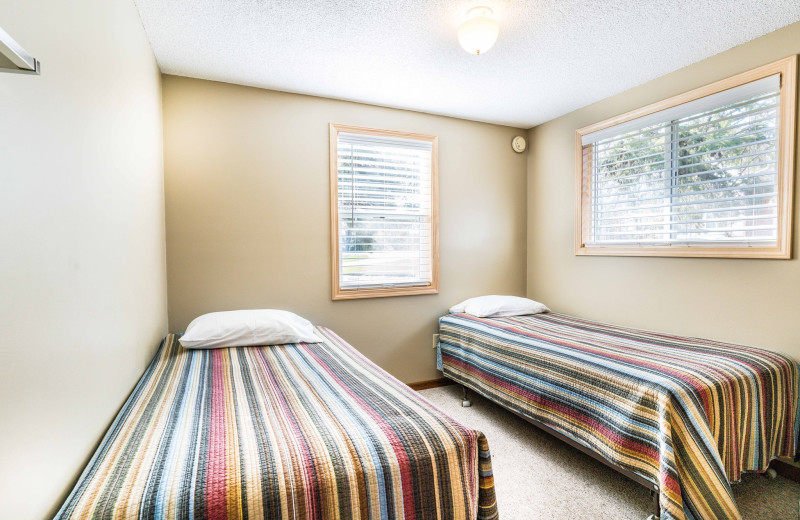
x: 687, y: 414
x: 302, y: 431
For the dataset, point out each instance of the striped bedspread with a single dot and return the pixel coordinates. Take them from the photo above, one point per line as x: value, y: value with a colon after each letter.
x: 302, y: 431
x: 688, y: 414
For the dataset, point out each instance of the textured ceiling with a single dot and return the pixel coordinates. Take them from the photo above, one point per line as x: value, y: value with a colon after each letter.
x: 552, y: 56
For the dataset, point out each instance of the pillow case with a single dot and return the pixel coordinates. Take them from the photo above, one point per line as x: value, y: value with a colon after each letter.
x: 497, y: 306
x: 248, y: 328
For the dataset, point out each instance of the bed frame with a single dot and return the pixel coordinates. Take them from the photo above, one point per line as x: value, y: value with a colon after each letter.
x: 654, y: 489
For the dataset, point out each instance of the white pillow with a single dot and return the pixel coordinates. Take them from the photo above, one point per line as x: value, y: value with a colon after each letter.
x: 247, y: 328
x: 458, y: 308
x: 495, y: 306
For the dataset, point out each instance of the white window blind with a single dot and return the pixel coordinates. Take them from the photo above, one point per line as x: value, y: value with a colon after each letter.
x: 701, y: 173
x: 384, y: 211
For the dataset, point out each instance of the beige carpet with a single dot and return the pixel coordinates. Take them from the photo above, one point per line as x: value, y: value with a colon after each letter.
x: 539, y: 477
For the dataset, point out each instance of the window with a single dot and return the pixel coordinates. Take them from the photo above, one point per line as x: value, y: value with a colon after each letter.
x: 384, y: 212
x: 708, y: 173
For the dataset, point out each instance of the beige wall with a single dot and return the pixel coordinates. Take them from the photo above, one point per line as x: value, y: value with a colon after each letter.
x: 745, y: 301
x: 248, y: 222
x: 82, y: 268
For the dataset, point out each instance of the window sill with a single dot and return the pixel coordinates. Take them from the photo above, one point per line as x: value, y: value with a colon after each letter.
x: 775, y: 253
x: 382, y: 292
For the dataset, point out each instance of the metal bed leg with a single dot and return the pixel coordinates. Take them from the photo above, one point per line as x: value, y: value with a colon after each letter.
x: 656, y: 504
x: 464, y: 401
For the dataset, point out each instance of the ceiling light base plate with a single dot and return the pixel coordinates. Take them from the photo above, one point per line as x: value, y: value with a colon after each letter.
x: 480, y: 10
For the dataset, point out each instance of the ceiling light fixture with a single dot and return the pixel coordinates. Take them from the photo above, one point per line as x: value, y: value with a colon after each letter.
x: 479, y: 31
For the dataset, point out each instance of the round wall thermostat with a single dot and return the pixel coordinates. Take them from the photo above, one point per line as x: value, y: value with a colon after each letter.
x: 518, y: 144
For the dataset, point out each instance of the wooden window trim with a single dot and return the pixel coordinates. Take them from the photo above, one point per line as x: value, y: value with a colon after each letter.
x: 379, y: 292
x: 787, y: 68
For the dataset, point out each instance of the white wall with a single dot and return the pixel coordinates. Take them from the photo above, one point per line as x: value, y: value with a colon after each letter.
x: 82, y: 242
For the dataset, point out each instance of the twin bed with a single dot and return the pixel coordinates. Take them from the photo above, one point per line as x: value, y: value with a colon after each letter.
x: 298, y: 431
x: 317, y: 431
x: 683, y: 416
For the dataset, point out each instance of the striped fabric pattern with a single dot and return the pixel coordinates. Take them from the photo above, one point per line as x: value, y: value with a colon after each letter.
x: 301, y: 431
x: 688, y: 414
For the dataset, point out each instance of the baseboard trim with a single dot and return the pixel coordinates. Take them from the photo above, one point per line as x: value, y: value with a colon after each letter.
x: 430, y: 383
x: 786, y: 470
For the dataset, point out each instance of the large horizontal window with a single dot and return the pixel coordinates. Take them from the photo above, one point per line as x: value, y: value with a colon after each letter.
x: 707, y: 173
x: 383, y: 213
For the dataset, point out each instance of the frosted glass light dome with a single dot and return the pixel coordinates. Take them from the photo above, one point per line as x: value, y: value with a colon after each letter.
x: 479, y: 31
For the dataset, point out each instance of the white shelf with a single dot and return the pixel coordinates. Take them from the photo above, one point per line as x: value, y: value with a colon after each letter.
x: 13, y: 58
